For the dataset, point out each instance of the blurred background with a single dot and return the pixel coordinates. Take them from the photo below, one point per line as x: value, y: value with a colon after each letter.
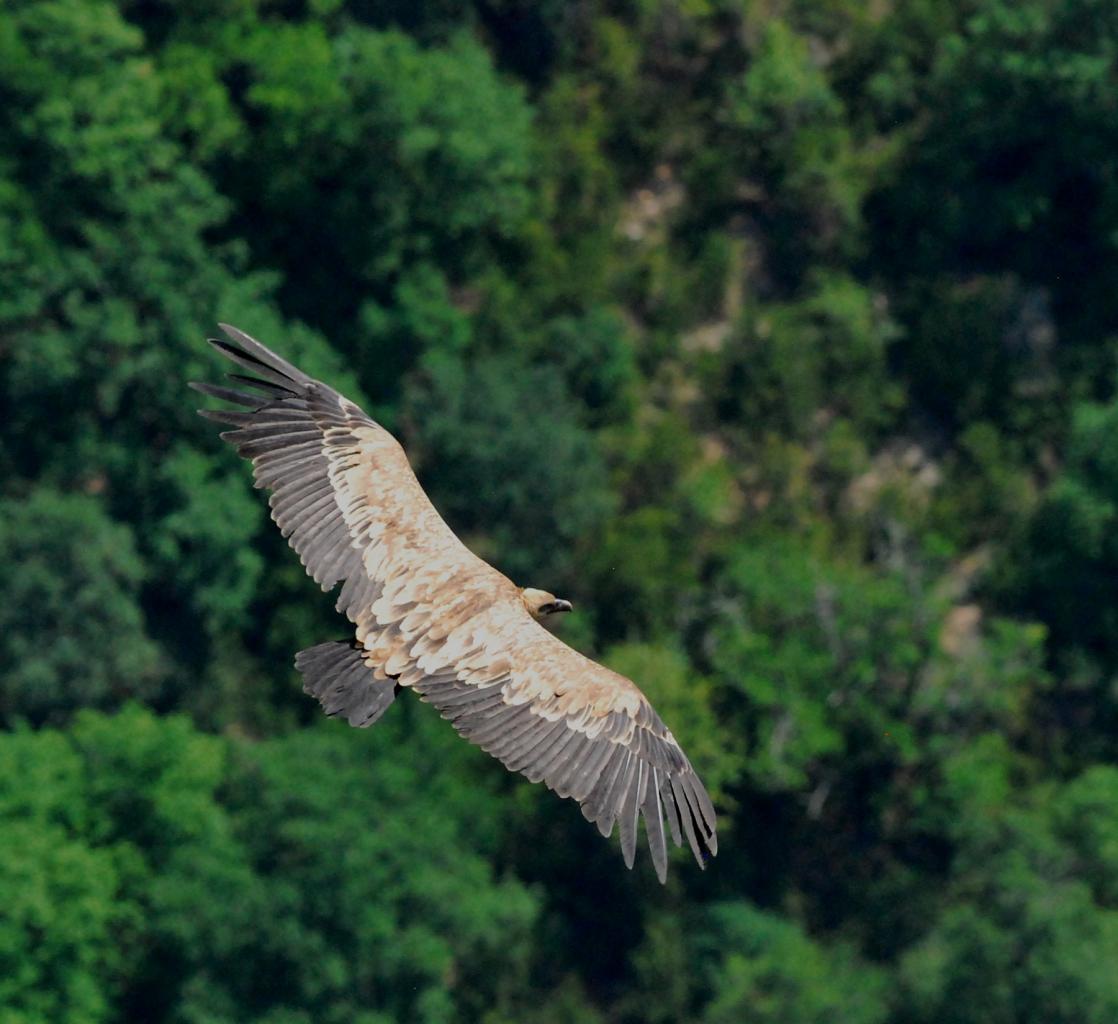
x: 781, y: 336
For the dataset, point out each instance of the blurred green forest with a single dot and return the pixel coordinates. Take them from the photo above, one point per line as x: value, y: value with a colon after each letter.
x: 779, y: 335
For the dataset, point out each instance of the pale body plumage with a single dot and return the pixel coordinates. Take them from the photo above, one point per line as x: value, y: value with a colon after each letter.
x: 431, y: 616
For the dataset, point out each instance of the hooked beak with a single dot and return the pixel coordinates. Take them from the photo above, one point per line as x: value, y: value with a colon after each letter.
x: 555, y: 606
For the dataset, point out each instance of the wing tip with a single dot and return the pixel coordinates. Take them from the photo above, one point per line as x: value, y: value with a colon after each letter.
x: 239, y: 336
x: 273, y: 371
x: 259, y: 353
x: 629, y: 851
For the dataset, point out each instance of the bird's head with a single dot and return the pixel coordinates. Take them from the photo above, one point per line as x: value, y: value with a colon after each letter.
x: 541, y: 604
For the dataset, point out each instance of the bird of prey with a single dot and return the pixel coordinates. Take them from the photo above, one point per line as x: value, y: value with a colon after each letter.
x: 432, y: 617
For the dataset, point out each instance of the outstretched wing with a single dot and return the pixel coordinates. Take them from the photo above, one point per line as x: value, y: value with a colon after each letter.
x: 555, y: 716
x: 343, y: 493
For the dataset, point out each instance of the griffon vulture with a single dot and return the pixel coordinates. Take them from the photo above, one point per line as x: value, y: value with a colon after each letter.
x: 431, y: 616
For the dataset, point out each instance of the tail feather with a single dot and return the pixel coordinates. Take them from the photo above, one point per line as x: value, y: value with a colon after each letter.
x: 337, y: 674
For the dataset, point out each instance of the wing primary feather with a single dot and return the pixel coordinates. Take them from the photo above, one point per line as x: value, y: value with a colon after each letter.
x: 226, y: 416
x: 630, y: 813
x: 242, y: 358
x: 285, y: 410
x: 265, y: 355
x: 705, y: 806
x: 684, y: 810
x: 654, y: 827
x: 674, y: 821
x: 591, y: 768
x: 244, y: 354
x: 257, y: 428
x: 251, y: 449
x: 695, y: 798
x: 291, y: 433
x: 275, y: 392
x: 226, y: 394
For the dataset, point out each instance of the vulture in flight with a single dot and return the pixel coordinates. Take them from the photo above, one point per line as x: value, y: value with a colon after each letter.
x: 432, y: 617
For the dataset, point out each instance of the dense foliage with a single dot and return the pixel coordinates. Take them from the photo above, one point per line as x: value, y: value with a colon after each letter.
x: 780, y: 337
